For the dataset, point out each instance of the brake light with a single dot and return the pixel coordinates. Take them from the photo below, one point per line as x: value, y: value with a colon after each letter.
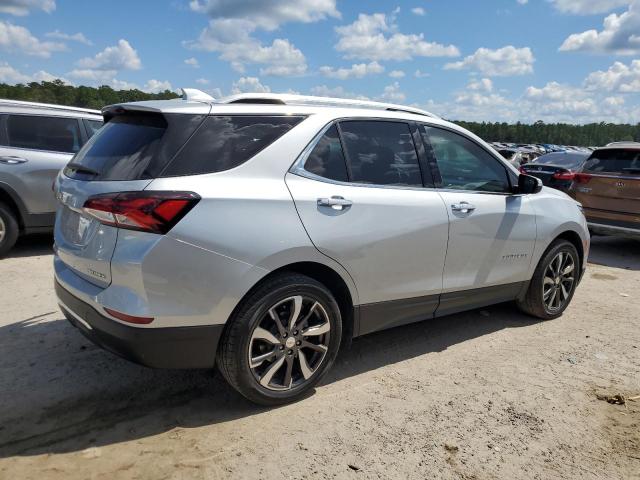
x: 522, y: 170
x: 582, y: 177
x: 564, y: 175
x: 147, y: 211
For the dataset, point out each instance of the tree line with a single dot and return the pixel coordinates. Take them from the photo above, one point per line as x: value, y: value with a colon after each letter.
x: 58, y: 92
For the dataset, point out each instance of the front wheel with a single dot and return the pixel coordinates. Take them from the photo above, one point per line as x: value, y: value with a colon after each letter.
x: 9, y: 229
x: 554, y: 282
x: 282, y: 339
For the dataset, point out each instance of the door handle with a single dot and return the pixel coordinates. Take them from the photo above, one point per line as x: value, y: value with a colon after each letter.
x: 463, y: 207
x: 11, y: 160
x: 336, y: 202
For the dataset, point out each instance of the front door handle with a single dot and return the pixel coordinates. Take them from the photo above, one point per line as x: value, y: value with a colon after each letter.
x: 336, y: 202
x: 463, y: 207
x: 11, y: 160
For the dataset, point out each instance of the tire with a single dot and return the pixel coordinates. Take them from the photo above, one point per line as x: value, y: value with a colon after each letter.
x: 9, y: 230
x: 536, y: 301
x: 256, y: 363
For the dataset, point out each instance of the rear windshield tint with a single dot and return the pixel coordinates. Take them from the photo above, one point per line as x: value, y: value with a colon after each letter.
x: 224, y: 142
x: 622, y: 161
x: 133, y: 146
x: 567, y: 160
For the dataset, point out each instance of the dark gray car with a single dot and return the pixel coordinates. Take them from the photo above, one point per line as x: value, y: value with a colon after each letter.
x: 36, y: 142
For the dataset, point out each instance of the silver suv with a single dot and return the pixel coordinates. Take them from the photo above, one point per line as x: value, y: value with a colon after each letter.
x: 36, y: 141
x: 262, y: 232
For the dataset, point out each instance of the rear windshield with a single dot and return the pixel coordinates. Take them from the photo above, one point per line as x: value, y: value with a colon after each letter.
x: 622, y: 161
x: 133, y: 146
x: 566, y: 160
x: 144, y: 146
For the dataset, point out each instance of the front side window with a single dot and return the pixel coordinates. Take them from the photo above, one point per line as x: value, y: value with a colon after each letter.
x: 326, y: 159
x: 381, y: 153
x: 463, y: 164
x: 55, y: 134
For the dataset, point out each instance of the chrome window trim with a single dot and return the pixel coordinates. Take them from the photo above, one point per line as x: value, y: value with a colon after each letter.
x: 298, y: 165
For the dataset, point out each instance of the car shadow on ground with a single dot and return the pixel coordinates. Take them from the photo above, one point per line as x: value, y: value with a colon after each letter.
x: 32, y: 246
x: 615, y: 252
x: 62, y: 394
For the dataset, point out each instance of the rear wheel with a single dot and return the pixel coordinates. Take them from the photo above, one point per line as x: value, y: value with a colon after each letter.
x: 283, y: 338
x: 9, y: 229
x: 553, y: 283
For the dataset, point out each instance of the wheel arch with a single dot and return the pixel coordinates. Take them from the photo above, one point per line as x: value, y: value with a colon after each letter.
x: 574, y: 238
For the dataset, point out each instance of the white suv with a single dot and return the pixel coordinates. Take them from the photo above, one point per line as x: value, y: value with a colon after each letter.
x: 261, y: 232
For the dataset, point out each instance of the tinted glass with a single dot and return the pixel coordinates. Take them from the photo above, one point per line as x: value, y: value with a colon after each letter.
x: 464, y: 165
x: 224, y: 142
x: 566, y: 160
x: 56, y: 134
x: 92, y: 126
x: 381, y: 153
x: 623, y: 161
x: 133, y: 146
x: 326, y: 159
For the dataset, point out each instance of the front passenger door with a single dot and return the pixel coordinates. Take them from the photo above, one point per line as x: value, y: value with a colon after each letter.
x: 492, y: 232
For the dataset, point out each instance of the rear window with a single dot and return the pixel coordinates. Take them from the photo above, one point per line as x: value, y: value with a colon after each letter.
x: 224, y: 142
x: 55, y: 134
x: 133, y: 146
x: 621, y: 161
x: 566, y: 160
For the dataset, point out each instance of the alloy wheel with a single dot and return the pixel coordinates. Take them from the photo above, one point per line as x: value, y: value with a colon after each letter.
x: 289, y: 343
x: 559, y: 278
x: 3, y: 230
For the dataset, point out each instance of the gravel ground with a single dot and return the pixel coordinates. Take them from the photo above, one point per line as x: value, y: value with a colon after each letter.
x: 485, y: 394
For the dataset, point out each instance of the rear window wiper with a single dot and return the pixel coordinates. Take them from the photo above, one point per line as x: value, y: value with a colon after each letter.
x: 82, y: 169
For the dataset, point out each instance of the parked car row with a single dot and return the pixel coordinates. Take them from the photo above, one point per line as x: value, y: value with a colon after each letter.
x: 520, y: 153
x: 36, y: 141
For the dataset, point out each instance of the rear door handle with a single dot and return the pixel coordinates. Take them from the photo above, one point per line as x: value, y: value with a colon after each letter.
x: 463, y: 207
x: 10, y: 160
x: 336, y: 202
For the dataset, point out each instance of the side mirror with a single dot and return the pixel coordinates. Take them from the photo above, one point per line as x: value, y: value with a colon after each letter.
x: 529, y: 184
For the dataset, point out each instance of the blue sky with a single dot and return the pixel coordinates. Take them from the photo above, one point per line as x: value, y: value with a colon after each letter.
x: 504, y: 60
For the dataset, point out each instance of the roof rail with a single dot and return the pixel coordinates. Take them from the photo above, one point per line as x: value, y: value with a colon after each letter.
x: 195, y: 95
x: 289, y: 99
x: 52, y: 106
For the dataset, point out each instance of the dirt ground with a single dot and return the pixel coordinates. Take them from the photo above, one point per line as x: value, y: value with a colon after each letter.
x: 485, y: 394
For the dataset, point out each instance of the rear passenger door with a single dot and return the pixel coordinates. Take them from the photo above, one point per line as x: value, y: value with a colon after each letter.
x: 492, y: 231
x: 361, y: 195
x: 34, y: 148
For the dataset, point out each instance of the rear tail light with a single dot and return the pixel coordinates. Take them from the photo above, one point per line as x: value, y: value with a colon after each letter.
x: 147, y: 211
x: 564, y: 175
x: 522, y: 170
x: 129, y: 318
x: 582, y: 177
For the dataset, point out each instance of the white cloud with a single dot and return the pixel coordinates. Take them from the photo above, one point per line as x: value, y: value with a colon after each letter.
x: 156, y: 86
x: 249, y: 84
x: 523, y: 2
x: 17, y: 39
x: 24, y: 7
x: 588, y: 7
x: 202, y: 81
x: 192, y: 62
x: 231, y: 38
x: 359, y: 70
x: 421, y: 12
x: 619, y: 77
x: 620, y: 35
x: 393, y: 94
x: 76, y: 37
x: 268, y: 15
x: 420, y: 74
x: 482, y: 85
x: 505, y: 61
x: 10, y: 75
x: 336, y: 92
x: 118, y: 57
x: 375, y: 37
x: 396, y: 74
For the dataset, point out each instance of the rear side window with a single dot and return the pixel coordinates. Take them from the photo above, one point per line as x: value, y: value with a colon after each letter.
x: 614, y: 161
x: 92, y: 126
x: 133, y: 146
x: 224, y: 142
x: 326, y: 159
x: 55, y: 134
x: 381, y: 153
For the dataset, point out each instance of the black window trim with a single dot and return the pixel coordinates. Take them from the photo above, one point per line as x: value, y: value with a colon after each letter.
x: 433, y: 162
x: 6, y: 131
x: 297, y: 168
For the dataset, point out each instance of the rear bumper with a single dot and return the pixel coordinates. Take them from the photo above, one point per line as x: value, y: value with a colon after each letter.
x: 175, y: 347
